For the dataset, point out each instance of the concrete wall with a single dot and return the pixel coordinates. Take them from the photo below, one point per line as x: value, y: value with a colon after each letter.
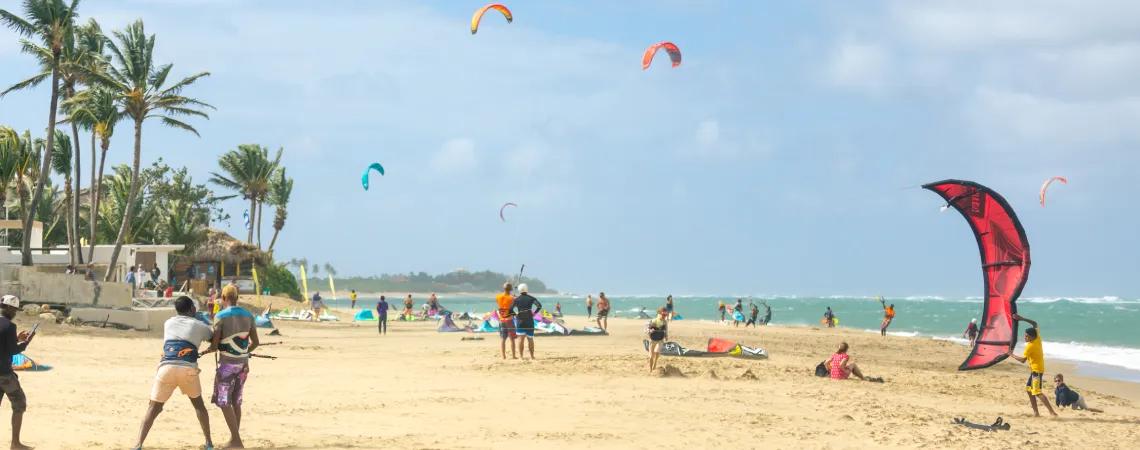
x: 142, y: 319
x: 33, y: 286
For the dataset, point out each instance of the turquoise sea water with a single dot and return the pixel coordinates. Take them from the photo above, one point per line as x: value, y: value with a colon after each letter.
x: 1098, y: 330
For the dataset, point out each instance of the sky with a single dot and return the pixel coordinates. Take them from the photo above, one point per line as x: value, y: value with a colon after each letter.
x: 783, y: 157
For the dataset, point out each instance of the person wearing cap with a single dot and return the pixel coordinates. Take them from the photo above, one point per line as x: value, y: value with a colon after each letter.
x: 235, y: 338
x: 12, y: 343
x: 178, y: 368
x: 506, y: 325
x: 525, y: 307
x: 971, y: 332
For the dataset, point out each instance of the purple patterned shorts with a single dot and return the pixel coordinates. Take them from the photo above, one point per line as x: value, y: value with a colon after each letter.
x: 229, y: 382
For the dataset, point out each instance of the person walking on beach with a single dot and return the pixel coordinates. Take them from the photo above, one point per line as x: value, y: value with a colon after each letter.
x: 524, y: 308
x: 408, y: 303
x: 352, y: 298
x: 1034, y: 356
x: 235, y: 337
x: 603, y: 311
x: 316, y: 305
x: 178, y: 368
x: 589, y: 306
x: 971, y: 332
x: 382, y: 315
x: 669, y: 307
x: 829, y: 318
x: 752, y: 315
x: 506, y: 323
x: 12, y: 343
x: 767, y: 313
x: 722, y: 308
x: 558, y: 309
x: 888, y: 316
x: 738, y: 312
x: 658, y: 331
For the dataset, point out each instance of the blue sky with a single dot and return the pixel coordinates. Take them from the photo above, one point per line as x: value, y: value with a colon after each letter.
x: 782, y: 157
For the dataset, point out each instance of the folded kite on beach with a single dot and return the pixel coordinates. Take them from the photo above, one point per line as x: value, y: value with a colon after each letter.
x: 716, y: 347
x: 24, y: 363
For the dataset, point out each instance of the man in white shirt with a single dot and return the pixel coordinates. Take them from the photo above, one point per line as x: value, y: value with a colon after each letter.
x: 182, y: 334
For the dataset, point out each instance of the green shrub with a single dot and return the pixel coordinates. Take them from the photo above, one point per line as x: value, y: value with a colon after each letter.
x: 279, y: 281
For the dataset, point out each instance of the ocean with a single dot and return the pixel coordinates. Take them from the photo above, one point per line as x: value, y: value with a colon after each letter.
x: 1096, y: 330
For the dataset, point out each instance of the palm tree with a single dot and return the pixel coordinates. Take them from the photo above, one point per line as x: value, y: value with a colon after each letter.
x: 96, y: 109
x: 90, y: 39
x: 61, y: 164
x: 248, y: 172
x: 329, y: 269
x: 139, y: 87
x: 279, y: 192
x: 118, y: 207
x: 10, y: 154
x: 49, y: 21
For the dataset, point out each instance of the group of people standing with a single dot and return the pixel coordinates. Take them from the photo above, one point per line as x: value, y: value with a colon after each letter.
x: 516, y: 320
x: 738, y: 316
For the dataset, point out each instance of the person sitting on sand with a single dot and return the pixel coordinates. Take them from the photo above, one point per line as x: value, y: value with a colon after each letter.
x: 658, y: 331
x: 235, y: 338
x: 178, y: 368
x: 1068, y: 397
x: 589, y: 306
x: 603, y: 311
x: 524, y: 309
x: 841, y: 366
x: 971, y: 332
x: 888, y: 316
x: 506, y: 323
x: 1034, y: 356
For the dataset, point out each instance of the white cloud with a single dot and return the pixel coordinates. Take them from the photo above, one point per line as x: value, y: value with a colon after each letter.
x: 1017, y: 119
x: 981, y: 24
x: 457, y: 155
x: 859, y: 65
x: 708, y: 133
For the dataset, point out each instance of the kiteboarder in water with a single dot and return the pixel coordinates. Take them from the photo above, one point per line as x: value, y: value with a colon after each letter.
x: 888, y: 316
x: 829, y: 318
x: 1034, y: 356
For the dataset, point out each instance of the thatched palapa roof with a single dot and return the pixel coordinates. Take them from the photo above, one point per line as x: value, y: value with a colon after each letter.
x: 221, y: 247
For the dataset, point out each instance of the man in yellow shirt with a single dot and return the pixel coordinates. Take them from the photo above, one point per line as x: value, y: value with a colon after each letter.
x: 1034, y: 356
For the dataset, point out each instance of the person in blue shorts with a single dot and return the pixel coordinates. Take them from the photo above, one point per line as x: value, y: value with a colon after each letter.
x: 524, y: 308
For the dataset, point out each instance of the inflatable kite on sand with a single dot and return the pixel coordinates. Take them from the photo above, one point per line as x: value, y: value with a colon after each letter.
x: 1005, y: 265
x: 478, y: 17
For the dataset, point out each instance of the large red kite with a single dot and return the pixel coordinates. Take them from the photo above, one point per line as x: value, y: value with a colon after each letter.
x: 1005, y: 265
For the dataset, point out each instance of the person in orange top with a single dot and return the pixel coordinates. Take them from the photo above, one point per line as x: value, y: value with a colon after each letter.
x: 504, y: 301
x: 888, y: 316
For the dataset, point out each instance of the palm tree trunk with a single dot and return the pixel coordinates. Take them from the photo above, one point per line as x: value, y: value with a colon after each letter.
x: 252, y: 217
x: 93, y: 213
x: 97, y: 186
x: 273, y: 241
x: 45, y: 167
x: 78, y: 250
x: 71, y: 242
x: 259, y: 205
x: 125, y: 227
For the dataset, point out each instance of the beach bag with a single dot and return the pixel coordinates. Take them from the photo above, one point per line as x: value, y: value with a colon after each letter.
x: 657, y: 335
x: 821, y: 370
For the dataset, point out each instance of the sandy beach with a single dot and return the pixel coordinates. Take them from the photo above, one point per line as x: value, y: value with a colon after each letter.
x: 339, y: 385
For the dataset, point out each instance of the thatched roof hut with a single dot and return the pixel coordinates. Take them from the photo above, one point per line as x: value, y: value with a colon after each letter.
x: 219, y: 247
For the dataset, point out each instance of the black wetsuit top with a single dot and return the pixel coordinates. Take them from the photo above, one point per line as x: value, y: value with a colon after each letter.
x: 8, y: 345
x: 524, y: 308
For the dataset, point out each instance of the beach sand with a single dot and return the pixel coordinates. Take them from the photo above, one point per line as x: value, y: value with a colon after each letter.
x: 339, y: 385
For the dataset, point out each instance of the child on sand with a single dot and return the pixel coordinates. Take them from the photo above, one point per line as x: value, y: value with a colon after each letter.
x: 1034, y: 356
x: 1068, y: 397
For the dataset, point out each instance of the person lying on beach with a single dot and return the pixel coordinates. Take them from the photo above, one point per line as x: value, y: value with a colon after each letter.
x: 178, y: 367
x: 1034, y: 356
x: 841, y: 366
x: 971, y: 332
x: 1065, y: 396
x: 658, y: 330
